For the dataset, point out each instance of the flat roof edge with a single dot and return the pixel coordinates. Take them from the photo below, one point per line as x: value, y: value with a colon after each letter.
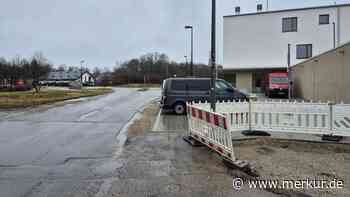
x: 288, y: 10
x: 249, y: 69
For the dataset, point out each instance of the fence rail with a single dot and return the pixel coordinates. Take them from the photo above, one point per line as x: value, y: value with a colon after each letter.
x: 284, y: 116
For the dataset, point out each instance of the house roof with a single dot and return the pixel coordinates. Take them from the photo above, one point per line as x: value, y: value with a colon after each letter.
x: 289, y: 10
x: 89, y: 73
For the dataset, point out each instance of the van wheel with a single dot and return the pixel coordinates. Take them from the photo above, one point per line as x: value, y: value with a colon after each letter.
x: 179, y: 108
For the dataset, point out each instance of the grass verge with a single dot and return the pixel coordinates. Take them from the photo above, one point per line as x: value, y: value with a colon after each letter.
x: 11, y: 100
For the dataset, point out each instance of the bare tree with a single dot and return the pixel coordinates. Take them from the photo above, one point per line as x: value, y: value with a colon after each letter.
x: 96, y: 72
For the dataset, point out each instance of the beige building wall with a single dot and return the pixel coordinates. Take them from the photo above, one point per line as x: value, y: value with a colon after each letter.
x: 324, y: 77
x: 244, y: 81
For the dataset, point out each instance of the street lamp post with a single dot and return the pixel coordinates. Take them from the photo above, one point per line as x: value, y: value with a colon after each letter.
x: 191, y: 27
x: 213, y: 56
x: 186, y: 64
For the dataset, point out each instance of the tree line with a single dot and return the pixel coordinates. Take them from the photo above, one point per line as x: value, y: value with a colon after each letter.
x: 35, y: 68
x: 154, y: 68
x: 148, y: 68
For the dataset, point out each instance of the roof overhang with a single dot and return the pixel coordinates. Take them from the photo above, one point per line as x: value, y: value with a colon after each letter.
x: 254, y: 69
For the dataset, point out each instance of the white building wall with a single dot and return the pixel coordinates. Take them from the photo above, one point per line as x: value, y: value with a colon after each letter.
x: 344, y: 28
x: 257, y: 41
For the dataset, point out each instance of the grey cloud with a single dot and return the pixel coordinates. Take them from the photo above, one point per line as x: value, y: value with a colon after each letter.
x: 105, y: 31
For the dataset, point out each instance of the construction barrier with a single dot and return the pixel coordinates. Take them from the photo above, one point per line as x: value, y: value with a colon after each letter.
x: 211, y: 129
x: 284, y: 116
x: 215, y: 130
x: 340, y: 119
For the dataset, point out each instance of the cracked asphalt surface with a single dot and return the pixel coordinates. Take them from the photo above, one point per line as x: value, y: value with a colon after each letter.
x: 67, y: 150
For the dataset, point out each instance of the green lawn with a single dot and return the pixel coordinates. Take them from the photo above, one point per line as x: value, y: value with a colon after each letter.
x: 9, y: 100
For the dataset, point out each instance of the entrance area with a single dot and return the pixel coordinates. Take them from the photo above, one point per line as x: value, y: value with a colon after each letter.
x: 249, y: 81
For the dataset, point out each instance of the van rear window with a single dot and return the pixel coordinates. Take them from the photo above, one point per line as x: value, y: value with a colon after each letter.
x: 199, y: 85
x: 178, y: 85
x: 190, y: 85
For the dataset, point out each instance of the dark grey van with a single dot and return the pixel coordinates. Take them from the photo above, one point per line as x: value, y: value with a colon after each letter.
x: 177, y: 91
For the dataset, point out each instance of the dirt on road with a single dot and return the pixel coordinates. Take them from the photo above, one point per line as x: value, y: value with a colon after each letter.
x: 145, y: 123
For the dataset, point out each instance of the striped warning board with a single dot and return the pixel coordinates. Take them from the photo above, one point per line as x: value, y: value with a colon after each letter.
x: 212, y: 130
x: 215, y: 119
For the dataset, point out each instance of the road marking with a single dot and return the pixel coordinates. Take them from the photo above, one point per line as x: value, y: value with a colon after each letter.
x: 155, y: 126
x: 83, y: 117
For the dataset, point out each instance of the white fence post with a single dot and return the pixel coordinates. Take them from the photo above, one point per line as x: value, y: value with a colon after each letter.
x: 250, y: 114
x: 331, y: 117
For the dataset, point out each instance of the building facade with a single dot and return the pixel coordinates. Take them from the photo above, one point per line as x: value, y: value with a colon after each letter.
x: 257, y: 43
x: 324, y: 77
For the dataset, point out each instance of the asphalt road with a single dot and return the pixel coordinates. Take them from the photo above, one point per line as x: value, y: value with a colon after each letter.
x: 66, y: 150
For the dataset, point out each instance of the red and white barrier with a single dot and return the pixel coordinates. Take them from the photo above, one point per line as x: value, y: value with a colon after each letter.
x: 211, y: 129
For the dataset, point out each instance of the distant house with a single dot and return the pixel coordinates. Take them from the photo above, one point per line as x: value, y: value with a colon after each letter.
x: 64, y: 78
x: 88, y: 79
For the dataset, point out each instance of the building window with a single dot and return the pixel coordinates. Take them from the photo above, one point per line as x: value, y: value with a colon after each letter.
x: 304, y: 51
x: 290, y: 24
x: 324, y: 19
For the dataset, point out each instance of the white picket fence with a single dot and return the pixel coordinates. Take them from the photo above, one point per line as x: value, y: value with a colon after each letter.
x: 284, y: 116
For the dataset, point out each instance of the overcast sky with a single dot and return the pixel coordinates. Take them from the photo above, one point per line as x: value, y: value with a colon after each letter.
x: 105, y: 31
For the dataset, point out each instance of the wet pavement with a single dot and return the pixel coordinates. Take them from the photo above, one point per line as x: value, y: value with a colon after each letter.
x: 81, y: 150
x: 160, y: 164
x: 66, y: 150
x: 170, y: 122
x: 163, y: 164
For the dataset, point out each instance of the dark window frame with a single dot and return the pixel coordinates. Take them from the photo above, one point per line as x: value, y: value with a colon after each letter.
x: 306, y: 56
x: 285, y: 22
x: 320, y: 22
